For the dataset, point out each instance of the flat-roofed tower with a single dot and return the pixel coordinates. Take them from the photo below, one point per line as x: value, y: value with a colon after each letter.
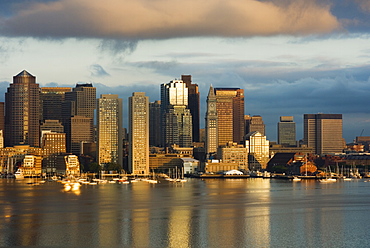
x: 139, y: 133
x: 109, y: 121
x: 323, y: 132
x: 230, y: 111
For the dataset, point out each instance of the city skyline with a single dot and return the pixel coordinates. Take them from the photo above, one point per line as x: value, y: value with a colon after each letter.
x: 307, y: 57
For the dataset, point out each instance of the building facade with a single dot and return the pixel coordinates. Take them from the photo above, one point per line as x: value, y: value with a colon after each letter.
x: 51, y: 99
x: 211, y: 124
x: 155, y: 123
x: 287, y: 131
x: 22, y: 111
x: 254, y: 123
x: 139, y: 133
x: 323, y: 132
x: 258, y: 147
x: 193, y: 105
x: 176, y: 117
x: 109, y: 134
x: 230, y: 111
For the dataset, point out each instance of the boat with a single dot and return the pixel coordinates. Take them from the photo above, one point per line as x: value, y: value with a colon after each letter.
x: 296, y: 179
x: 328, y: 179
x: 19, y: 174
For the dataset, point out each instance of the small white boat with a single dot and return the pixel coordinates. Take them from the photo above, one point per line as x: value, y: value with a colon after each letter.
x: 328, y: 180
x: 296, y: 179
x: 19, y: 174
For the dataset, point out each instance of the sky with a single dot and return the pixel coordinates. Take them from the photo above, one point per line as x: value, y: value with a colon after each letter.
x: 291, y: 57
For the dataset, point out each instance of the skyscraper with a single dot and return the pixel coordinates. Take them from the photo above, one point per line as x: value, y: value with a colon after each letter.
x: 176, y: 117
x: 22, y: 111
x: 109, y: 121
x: 78, y: 109
x: 155, y: 123
x: 254, y: 123
x: 211, y: 127
x: 193, y: 105
x: 230, y: 110
x: 51, y: 101
x: 139, y: 133
x: 323, y: 132
x: 286, y: 131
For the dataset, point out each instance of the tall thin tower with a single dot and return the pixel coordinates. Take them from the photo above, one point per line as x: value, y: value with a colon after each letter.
x: 109, y: 121
x: 211, y: 123
x: 139, y: 133
x: 193, y: 105
x: 22, y: 111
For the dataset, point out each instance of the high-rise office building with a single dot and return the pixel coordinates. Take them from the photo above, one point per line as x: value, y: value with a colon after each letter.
x: 286, y: 131
x: 53, y: 144
x: 2, y: 116
x: 78, y: 109
x: 139, y: 133
x: 52, y: 125
x: 254, y: 123
x: 211, y: 127
x: 22, y: 111
x: 193, y: 105
x: 109, y: 138
x: 176, y: 117
x: 323, y: 132
x: 155, y: 123
x: 230, y: 110
x: 52, y: 99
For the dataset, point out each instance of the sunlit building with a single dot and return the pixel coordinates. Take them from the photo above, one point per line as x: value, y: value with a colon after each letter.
x: 53, y: 144
x: 234, y: 153
x: 323, y: 132
x: 254, y: 123
x: 211, y: 125
x: 230, y: 111
x: 258, y: 147
x: 139, y: 133
x: 109, y: 138
x: 176, y: 116
x: 32, y: 165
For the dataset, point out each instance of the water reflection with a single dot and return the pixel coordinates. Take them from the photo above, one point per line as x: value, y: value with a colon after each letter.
x: 210, y: 213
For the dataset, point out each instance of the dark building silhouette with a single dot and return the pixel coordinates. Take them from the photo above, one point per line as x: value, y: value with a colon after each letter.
x: 22, y: 111
x: 193, y: 105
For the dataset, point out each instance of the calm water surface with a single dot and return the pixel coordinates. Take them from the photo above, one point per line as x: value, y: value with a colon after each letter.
x: 198, y: 213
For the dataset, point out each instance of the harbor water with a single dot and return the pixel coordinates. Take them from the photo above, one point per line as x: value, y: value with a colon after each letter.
x: 252, y: 212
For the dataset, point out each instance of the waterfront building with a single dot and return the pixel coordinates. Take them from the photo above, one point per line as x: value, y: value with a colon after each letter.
x: 52, y: 125
x: 68, y: 165
x: 211, y: 125
x: 53, y: 144
x: 155, y: 123
x: 230, y: 112
x: 166, y: 162
x: 11, y: 157
x: 32, y: 165
x: 287, y: 131
x: 235, y: 154
x: 138, y: 133
x: 22, y: 111
x: 258, y: 147
x: 109, y: 138
x: 193, y: 105
x: 254, y: 123
x: 217, y: 166
x: 176, y: 117
x: 51, y: 99
x: 190, y: 165
x: 323, y: 132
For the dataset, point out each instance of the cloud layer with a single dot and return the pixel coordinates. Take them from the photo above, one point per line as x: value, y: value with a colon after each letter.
x: 161, y: 19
